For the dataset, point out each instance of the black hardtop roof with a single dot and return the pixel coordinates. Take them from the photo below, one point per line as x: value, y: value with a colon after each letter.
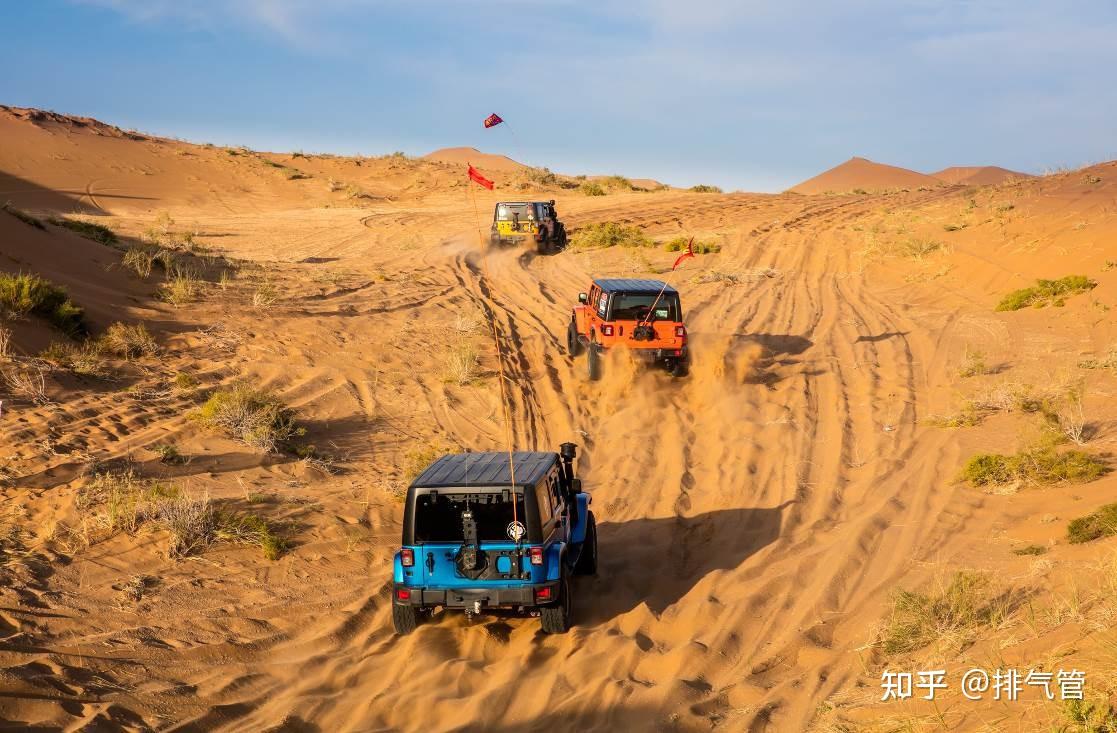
x: 486, y: 469
x: 520, y: 203
x: 631, y: 285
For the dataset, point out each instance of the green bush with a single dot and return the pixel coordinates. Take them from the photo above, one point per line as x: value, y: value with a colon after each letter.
x: 97, y: 232
x: 617, y: 182
x: 1043, y: 465
x: 255, y: 417
x: 610, y: 234
x: 1093, y: 526
x: 591, y: 188
x: 703, y: 188
x: 30, y: 294
x: 1046, y: 292
x: 678, y: 244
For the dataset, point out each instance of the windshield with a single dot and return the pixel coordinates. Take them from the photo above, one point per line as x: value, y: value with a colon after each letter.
x: 505, y: 212
x: 635, y: 307
x: 439, y: 518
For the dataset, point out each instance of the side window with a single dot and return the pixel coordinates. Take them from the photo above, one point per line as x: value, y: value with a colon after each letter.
x: 602, y: 304
x: 543, y: 499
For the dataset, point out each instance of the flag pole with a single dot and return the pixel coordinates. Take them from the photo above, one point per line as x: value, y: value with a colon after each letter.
x: 504, y: 405
x: 690, y: 252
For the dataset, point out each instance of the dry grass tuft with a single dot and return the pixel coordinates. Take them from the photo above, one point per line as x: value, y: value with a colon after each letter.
x: 129, y: 340
x: 951, y: 613
x: 973, y: 364
x: 29, y: 382
x: 256, y: 417
x: 462, y: 363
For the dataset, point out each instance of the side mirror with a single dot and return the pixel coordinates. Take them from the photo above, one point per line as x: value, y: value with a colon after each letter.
x: 576, y: 486
x: 583, y: 298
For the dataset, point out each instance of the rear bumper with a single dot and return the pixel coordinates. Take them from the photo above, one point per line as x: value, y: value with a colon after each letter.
x: 651, y: 355
x: 505, y: 596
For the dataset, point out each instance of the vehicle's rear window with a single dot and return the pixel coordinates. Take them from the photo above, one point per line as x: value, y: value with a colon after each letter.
x: 635, y: 307
x: 439, y: 518
x: 504, y: 212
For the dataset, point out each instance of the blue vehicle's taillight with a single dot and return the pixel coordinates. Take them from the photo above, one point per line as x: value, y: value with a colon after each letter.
x: 543, y: 594
x: 407, y: 557
x: 403, y: 594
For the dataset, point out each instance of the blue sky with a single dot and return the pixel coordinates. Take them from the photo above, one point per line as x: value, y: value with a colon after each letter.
x: 739, y: 93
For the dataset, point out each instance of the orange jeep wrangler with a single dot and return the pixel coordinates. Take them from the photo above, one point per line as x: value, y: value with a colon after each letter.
x: 643, y: 316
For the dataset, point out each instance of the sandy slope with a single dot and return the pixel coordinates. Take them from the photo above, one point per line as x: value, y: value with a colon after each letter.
x: 754, y: 518
x: 863, y: 174
x: 977, y: 175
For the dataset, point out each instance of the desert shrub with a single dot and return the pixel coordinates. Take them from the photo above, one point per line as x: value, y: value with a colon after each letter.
x: 184, y: 381
x: 129, y: 340
x: 461, y: 363
x: 610, y: 234
x: 1040, y: 465
x: 256, y: 417
x: 968, y: 416
x: 1108, y: 361
x: 90, y: 230
x: 591, y: 188
x: 86, y: 358
x: 1030, y: 550
x: 250, y: 529
x: 30, y: 294
x: 954, y: 610
x: 718, y: 276
x: 617, y: 182
x: 917, y: 249
x: 953, y: 227
x: 181, y: 286
x: 1046, y: 292
x: 703, y: 188
x: 28, y: 382
x: 1093, y: 526
x: 679, y: 244
x: 23, y: 216
x: 973, y: 364
x: 292, y: 174
x: 265, y: 295
x: 5, y: 343
x: 542, y: 176
x: 139, y: 260
x: 168, y: 453
x: 416, y: 460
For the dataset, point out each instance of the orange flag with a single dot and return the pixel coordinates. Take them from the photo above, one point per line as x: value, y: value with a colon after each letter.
x: 476, y: 176
x: 689, y: 253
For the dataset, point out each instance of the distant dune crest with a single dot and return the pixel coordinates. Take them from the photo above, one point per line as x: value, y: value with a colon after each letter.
x: 866, y: 175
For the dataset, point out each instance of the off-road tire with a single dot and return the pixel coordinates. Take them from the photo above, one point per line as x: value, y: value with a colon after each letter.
x: 574, y: 345
x: 587, y: 560
x: 594, y: 365
x: 680, y: 368
x: 555, y: 619
x: 405, y: 618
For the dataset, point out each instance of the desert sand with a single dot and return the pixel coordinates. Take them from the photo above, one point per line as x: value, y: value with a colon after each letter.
x: 756, y: 519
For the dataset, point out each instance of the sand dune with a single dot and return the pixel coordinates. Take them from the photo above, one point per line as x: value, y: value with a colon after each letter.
x: 978, y: 175
x: 755, y: 519
x: 860, y: 173
x: 483, y: 161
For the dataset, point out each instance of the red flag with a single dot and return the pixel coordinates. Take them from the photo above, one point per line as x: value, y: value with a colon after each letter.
x: 476, y: 176
x: 492, y: 120
x: 689, y: 253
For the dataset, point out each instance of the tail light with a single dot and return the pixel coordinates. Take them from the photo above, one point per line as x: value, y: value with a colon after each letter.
x: 606, y: 330
x: 543, y: 594
x: 403, y: 594
x: 536, y: 554
x: 680, y: 332
x: 407, y: 557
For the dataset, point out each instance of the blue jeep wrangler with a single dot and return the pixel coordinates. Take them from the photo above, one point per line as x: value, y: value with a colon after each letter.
x: 466, y: 545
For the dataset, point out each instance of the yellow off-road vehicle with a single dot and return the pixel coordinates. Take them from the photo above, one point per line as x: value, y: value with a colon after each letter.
x: 536, y: 221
